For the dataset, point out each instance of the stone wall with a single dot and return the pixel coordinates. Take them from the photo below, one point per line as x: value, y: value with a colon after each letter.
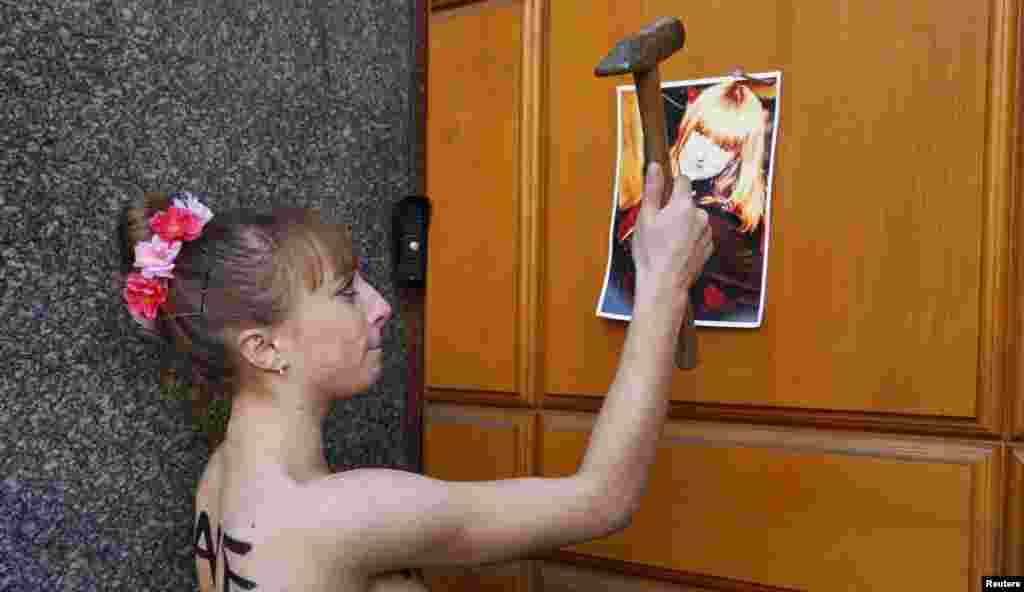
x: 257, y: 102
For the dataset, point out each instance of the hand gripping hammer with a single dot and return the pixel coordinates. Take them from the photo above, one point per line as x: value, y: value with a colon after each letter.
x: 640, y: 55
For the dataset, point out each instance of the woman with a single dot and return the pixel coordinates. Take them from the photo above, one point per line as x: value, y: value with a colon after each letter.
x: 273, y: 313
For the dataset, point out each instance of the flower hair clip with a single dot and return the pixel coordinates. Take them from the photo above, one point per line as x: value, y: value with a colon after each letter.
x: 146, y: 290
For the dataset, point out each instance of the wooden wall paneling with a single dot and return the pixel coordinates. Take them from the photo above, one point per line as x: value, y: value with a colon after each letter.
x: 819, y: 418
x: 472, y: 180
x: 449, y: 4
x: 1017, y: 185
x: 513, y: 576
x: 565, y: 577
x: 998, y: 355
x: 531, y: 202
x: 595, y: 569
x: 1014, y: 529
x: 484, y: 398
x: 753, y: 504
x: 463, y: 443
x: 865, y: 243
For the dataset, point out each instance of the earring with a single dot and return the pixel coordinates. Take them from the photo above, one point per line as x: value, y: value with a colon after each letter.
x: 282, y: 368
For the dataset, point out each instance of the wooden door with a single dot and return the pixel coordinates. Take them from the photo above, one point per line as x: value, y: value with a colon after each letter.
x: 868, y: 435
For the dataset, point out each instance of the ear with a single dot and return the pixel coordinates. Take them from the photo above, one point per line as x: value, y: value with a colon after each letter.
x: 256, y: 346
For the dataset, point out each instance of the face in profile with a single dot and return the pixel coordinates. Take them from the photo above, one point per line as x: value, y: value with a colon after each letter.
x: 338, y: 335
x: 701, y: 159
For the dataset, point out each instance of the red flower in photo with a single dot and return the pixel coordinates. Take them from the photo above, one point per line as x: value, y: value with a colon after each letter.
x: 627, y: 223
x: 176, y: 224
x: 714, y: 298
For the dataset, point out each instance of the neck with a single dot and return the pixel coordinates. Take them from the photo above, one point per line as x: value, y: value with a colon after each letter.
x: 278, y: 431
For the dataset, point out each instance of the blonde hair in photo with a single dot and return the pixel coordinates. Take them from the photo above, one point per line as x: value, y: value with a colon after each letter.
x: 731, y: 115
x: 631, y: 159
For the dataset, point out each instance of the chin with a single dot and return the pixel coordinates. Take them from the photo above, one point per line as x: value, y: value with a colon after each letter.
x: 342, y: 392
x: 355, y: 390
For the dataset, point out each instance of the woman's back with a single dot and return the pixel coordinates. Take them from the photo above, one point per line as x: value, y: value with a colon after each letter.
x: 253, y: 530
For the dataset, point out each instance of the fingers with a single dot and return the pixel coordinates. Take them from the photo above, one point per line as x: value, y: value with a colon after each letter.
x: 704, y: 239
x: 704, y: 246
x: 683, y: 187
x: 702, y: 223
x: 702, y: 250
x: 699, y: 225
x: 654, y: 188
x: 707, y: 244
x: 682, y: 194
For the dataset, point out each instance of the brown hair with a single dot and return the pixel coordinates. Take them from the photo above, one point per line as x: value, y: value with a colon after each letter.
x: 250, y: 264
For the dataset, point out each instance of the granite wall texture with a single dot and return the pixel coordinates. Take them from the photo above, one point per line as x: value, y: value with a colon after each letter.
x: 257, y: 102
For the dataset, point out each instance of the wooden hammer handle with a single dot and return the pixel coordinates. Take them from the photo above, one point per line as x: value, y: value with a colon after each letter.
x: 652, y: 117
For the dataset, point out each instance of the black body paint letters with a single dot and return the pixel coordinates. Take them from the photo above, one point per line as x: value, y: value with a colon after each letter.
x: 224, y: 543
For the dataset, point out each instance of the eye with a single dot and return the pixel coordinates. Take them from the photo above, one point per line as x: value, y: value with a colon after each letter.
x: 348, y: 291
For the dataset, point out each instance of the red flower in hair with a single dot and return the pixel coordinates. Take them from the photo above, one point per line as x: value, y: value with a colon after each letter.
x: 692, y: 93
x: 175, y: 224
x: 144, y: 295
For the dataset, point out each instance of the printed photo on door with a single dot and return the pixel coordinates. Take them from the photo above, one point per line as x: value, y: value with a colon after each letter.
x: 721, y: 134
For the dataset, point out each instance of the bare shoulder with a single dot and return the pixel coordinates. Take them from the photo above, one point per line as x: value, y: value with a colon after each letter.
x: 357, y: 497
x: 343, y: 508
x: 342, y: 503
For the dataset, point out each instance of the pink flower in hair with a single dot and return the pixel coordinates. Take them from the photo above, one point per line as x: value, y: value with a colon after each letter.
x: 156, y: 257
x: 143, y: 296
x: 175, y: 224
x: 192, y: 204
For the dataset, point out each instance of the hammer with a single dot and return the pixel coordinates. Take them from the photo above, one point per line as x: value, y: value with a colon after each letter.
x: 640, y: 55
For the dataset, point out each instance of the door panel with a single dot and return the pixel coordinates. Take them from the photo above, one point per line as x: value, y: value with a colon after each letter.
x: 1015, y: 513
x: 756, y: 504
x: 560, y: 577
x: 878, y: 226
x: 463, y: 443
x: 892, y: 301
x: 503, y: 577
x: 472, y: 181
x: 488, y: 443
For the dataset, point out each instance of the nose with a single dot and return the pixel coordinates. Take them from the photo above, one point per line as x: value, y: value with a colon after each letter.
x: 381, y: 312
x: 385, y: 314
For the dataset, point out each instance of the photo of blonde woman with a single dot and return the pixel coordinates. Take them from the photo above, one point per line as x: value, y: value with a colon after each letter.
x: 722, y: 134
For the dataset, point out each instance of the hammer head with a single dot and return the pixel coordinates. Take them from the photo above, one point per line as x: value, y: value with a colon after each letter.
x: 643, y: 51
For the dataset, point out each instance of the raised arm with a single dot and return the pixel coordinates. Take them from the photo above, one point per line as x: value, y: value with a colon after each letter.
x: 393, y: 519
